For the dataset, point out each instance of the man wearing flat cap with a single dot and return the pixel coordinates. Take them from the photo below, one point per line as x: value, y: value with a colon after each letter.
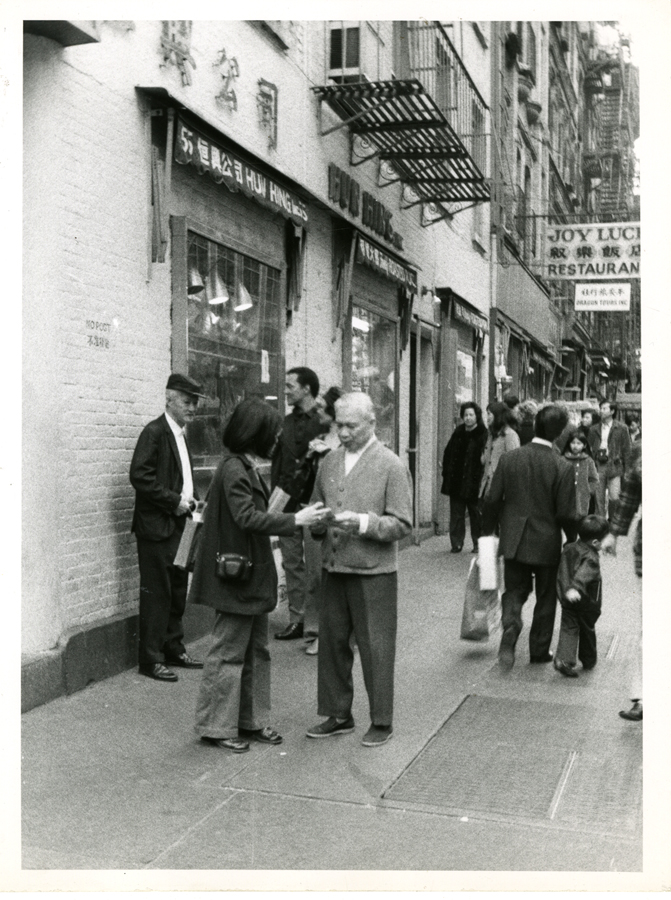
x: 162, y: 475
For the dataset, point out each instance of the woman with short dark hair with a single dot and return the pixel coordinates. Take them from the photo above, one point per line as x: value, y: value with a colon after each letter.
x: 462, y: 471
x: 501, y: 438
x: 234, y: 699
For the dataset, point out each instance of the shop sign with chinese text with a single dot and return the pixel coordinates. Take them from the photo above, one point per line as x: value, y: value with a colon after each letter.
x: 600, y: 297
x: 593, y: 251
x: 372, y: 256
x: 193, y: 148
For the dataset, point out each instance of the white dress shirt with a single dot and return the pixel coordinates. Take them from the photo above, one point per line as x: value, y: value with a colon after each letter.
x: 605, y: 432
x: 351, y: 459
x: 187, y: 475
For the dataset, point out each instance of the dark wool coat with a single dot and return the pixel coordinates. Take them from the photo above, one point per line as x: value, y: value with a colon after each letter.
x: 579, y: 569
x: 531, y: 496
x: 619, y: 448
x: 462, y: 462
x: 585, y: 479
x: 236, y: 521
x: 156, y: 475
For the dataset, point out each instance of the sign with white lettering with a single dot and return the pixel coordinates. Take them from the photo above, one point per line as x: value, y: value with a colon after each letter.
x: 598, y: 297
x: 598, y: 250
x: 193, y: 148
x: 378, y: 260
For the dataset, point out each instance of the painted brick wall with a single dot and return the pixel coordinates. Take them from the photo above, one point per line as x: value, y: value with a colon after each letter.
x: 86, y: 190
x: 108, y: 350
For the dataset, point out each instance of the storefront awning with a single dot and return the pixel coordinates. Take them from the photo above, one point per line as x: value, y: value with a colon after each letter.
x: 513, y: 327
x: 406, y: 128
x: 196, y: 144
x: 368, y: 254
x: 223, y: 166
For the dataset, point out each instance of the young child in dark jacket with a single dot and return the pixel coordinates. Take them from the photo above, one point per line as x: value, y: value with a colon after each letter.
x: 579, y: 593
x: 586, y: 478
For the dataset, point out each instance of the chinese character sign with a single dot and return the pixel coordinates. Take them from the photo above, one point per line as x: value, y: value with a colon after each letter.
x: 589, y: 252
x: 599, y: 297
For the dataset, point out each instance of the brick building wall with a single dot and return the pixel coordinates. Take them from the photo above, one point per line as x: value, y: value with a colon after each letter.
x: 98, y: 334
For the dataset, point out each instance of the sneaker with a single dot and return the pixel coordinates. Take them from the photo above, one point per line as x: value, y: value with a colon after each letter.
x: 330, y: 727
x: 377, y: 735
x: 565, y: 668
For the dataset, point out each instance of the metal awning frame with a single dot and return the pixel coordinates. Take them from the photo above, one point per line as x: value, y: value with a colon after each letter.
x: 376, y: 110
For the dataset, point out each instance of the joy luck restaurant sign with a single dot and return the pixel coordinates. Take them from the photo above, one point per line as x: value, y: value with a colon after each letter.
x: 600, y: 250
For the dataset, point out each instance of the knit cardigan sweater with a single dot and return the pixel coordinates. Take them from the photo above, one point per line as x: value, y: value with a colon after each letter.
x: 379, y: 485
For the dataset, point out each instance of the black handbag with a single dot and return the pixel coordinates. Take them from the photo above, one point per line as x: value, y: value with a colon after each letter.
x: 233, y: 567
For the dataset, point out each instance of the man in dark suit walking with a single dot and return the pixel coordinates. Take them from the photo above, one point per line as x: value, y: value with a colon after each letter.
x: 531, y: 496
x: 162, y: 475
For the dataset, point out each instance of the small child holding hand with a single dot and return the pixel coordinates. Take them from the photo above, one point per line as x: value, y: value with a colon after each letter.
x: 579, y: 593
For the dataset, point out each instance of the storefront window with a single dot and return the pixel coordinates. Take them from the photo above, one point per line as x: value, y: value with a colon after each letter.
x: 374, y: 368
x: 234, y: 340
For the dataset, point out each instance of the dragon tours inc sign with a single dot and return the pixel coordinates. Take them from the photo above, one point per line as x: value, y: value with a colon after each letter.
x: 610, y: 297
x: 596, y: 251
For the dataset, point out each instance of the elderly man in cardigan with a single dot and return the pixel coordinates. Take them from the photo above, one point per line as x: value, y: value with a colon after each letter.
x: 367, y: 487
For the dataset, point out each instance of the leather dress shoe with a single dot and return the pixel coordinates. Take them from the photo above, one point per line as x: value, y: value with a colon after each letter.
x: 291, y: 632
x: 565, y: 668
x: 545, y: 658
x: 265, y: 735
x: 184, y: 661
x: 635, y: 714
x: 157, y: 671
x: 235, y: 745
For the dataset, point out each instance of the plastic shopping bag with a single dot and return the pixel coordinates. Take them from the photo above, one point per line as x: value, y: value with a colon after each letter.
x: 481, y: 613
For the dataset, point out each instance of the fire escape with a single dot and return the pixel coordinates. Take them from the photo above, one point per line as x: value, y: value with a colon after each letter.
x: 426, y: 127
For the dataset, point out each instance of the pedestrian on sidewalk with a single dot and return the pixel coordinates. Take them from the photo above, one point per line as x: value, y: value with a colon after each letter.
x: 161, y: 472
x: 462, y: 473
x: 367, y: 487
x: 526, y: 416
x: 585, y: 479
x: 626, y: 509
x: 317, y: 449
x: 531, y: 497
x: 501, y: 439
x: 293, y: 472
x: 579, y: 594
x: 234, y: 701
x: 610, y: 444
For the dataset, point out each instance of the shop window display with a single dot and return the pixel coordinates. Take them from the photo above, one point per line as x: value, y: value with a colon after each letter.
x: 374, y: 368
x: 234, y: 340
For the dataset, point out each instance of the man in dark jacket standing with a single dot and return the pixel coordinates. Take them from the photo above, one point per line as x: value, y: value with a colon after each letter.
x: 161, y: 473
x: 610, y: 446
x: 532, y: 494
x: 292, y: 471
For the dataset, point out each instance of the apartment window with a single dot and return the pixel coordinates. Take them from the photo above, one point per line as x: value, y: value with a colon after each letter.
x: 345, y: 52
x: 355, y: 52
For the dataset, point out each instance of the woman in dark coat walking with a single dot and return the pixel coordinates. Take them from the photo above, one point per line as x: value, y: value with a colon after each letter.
x: 462, y: 472
x: 234, y: 699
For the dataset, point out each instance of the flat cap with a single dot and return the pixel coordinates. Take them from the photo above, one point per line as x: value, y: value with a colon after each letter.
x: 179, y: 382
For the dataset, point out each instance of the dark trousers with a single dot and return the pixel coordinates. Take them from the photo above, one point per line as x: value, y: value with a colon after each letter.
x: 577, y: 637
x: 519, y: 579
x: 367, y: 606
x: 162, y: 599
x: 458, y: 521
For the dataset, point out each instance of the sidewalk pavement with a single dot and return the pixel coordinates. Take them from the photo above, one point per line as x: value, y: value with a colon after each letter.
x: 486, y: 772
